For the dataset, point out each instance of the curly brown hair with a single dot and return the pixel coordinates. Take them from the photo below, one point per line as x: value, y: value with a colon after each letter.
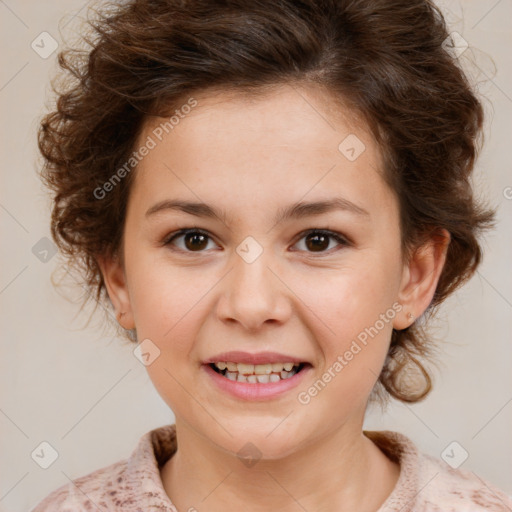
x: 384, y: 58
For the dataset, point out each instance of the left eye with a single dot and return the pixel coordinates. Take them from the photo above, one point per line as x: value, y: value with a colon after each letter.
x: 319, y: 240
x: 196, y: 240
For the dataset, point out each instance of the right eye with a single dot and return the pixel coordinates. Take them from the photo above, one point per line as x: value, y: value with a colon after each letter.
x: 194, y: 240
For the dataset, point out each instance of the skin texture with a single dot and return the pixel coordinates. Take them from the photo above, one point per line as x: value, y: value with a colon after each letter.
x: 251, y: 157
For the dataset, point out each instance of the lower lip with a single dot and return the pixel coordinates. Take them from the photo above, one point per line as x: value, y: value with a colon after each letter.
x: 256, y: 391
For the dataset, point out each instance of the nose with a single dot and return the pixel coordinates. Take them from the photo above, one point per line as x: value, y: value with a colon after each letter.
x: 254, y: 294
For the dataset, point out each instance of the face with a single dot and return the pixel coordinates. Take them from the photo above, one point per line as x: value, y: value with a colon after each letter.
x: 255, y: 277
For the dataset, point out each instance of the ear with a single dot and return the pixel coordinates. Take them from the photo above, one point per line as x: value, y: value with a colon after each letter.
x: 114, y: 277
x: 420, y: 276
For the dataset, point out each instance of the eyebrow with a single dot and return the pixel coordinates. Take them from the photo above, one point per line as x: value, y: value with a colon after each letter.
x: 294, y: 211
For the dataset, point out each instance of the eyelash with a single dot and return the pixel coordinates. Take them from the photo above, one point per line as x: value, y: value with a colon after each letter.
x: 344, y: 242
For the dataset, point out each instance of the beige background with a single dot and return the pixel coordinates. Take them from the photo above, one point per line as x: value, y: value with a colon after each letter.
x: 85, y: 393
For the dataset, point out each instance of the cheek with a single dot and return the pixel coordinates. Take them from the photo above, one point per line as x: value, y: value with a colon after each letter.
x: 170, y: 305
x: 345, y: 301
x: 165, y: 299
x: 355, y: 307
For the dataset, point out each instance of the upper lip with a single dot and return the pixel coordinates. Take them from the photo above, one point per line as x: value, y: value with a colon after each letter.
x: 256, y: 358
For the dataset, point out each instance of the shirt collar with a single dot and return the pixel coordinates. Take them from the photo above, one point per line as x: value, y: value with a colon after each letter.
x: 144, y: 487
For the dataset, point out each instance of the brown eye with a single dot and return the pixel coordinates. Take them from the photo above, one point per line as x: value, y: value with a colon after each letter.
x: 318, y: 241
x: 193, y: 240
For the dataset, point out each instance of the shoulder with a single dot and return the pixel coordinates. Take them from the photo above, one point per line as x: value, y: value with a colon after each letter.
x: 429, y: 484
x: 458, y: 489
x: 96, y: 490
x: 130, y: 485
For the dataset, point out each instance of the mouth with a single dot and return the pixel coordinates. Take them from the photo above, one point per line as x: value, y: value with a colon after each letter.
x: 256, y: 376
x: 257, y: 373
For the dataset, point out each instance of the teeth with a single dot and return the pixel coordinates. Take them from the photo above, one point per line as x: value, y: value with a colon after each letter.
x: 258, y: 369
x: 254, y: 373
x: 262, y: 369
x: 246, y: 369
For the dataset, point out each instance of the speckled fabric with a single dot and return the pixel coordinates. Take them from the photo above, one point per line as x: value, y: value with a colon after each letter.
x: 426, y: 484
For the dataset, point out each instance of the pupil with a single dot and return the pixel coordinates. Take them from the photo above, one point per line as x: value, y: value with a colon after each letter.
x: 318, y: 241
x: 195, y: 236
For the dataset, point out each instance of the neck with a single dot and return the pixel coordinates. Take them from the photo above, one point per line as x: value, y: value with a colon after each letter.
x: 343, y: 471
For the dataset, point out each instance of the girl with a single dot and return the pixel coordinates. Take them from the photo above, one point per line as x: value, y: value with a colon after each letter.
x: 272, y: 197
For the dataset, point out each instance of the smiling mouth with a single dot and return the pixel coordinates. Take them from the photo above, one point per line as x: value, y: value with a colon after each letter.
x: 257, y: 373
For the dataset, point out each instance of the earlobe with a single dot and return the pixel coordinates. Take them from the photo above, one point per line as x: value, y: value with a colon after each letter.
x: 115, y: 282
x: 420, y: 277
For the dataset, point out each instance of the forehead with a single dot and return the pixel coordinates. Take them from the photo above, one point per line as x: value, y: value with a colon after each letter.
x: 285, y: 143
x: 274, y: 115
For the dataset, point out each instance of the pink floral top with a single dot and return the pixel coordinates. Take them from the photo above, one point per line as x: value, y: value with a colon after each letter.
x: 426, y: 484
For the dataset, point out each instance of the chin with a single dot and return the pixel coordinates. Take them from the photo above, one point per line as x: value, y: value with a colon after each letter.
x: 260, y: 439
